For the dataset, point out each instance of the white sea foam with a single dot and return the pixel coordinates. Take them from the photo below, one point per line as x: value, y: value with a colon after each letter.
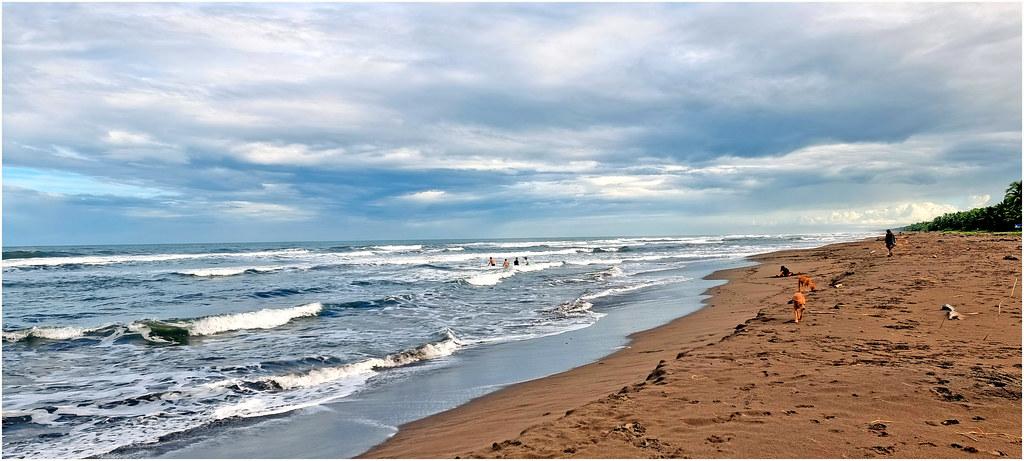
x: 578, y: 306
x: 356, y: 254
x: 55, y: 333
x: 592, y: 261
x: 644, y: 241
x: 321, y: 376
x: 128, y: 259
x: 618, y: 290
x: 226, y: 271
x: 659, y: 257
x: 394, y: 248
x: 258, y: 320
x: 316, y: 387
x: 550, y: 243
x: 612, y: 272
x: 495, y: 276
x: 147, y: 333
x: 537, y: 266
x: 628, y: 288
x: 439, y: 258
x: 261, y: 319
x: 38, y: 416
x: 490, y: 278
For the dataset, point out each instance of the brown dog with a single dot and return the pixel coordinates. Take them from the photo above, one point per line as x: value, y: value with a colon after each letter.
x: 804, y: 282
x: 799, y: 301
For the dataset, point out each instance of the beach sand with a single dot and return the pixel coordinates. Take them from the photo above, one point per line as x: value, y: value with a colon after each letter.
x: 874, y: 370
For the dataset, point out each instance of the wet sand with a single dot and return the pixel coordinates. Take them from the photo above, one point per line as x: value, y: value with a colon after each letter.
x: 874, y: 370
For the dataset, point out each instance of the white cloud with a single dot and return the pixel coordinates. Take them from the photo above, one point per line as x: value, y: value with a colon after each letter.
x: 296, y: 154
x: 426, y: 196
x: 595, y: 44
x: 136, y: 146
x: 436, y: 196
x: 266, y: 211
x: 978, y: 201
x: 612, y: 187
x: 128, y: 138
x: 68, y: 153
x: 287, y: 154
x: 895, y: 215
x: 841, y: 161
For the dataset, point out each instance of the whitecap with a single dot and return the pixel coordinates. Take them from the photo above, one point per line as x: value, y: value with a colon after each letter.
x: 319, y: 376
x: 396, y: 248
x: 490, y: 278
x: 261, y: 319
x: 54, y: 333
x: 537, y: 266
x: 226, y: 271
x: 495, y: 276
x: 127, y: 259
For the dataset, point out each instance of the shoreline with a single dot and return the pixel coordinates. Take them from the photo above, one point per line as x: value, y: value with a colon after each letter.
x: 607, y: 374
x: 594, y: 410
x: 350, y: 425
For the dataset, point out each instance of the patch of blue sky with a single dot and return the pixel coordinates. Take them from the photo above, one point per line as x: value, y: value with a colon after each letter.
x: 68, y: 183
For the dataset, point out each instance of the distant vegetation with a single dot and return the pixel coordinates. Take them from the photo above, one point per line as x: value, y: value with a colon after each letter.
x: 997, y: 218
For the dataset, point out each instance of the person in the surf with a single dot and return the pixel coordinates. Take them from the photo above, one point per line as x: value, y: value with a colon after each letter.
x: 890, y: 241
x: 490, y: 261
x: 516, y: 262
x: 526, y: 260
x: 505, y: 264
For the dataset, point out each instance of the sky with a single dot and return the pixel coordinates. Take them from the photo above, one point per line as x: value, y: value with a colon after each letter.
x: 158, y: 123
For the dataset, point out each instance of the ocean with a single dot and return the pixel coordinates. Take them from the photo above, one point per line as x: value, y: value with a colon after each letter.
x: 109, y: 349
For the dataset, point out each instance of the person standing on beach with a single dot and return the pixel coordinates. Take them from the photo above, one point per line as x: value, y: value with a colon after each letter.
x: 505, y: 264
x: 890, y: 241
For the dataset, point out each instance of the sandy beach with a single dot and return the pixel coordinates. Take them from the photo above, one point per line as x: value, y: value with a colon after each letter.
x: 874, y: 370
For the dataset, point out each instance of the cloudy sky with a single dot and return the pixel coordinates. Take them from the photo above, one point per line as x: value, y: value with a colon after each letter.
x: 218, y: 122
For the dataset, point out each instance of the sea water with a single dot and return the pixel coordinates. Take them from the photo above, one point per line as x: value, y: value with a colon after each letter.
x: 109, y: 347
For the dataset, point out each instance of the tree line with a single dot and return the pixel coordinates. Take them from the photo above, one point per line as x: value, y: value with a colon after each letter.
x: 1003, y: 216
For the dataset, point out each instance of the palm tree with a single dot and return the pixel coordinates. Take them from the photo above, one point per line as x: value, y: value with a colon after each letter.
x: 1012, y: 198
x: 1010, y: 208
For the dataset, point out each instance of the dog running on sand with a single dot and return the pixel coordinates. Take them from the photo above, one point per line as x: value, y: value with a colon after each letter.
x: 799, y: 301
x: 804, y: 282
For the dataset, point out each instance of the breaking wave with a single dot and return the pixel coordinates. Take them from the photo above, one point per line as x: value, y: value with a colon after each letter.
x: 618, y: 290
x: 53, y: 333
x: 171, y: 331
x: 227, y: 271
x: 396, y: 248
x: 128, y: 259
x: 628, y: 288
x: 490, y: 278
x: 319, y: 376
x: 495, y: 276
x: 261, y: 320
